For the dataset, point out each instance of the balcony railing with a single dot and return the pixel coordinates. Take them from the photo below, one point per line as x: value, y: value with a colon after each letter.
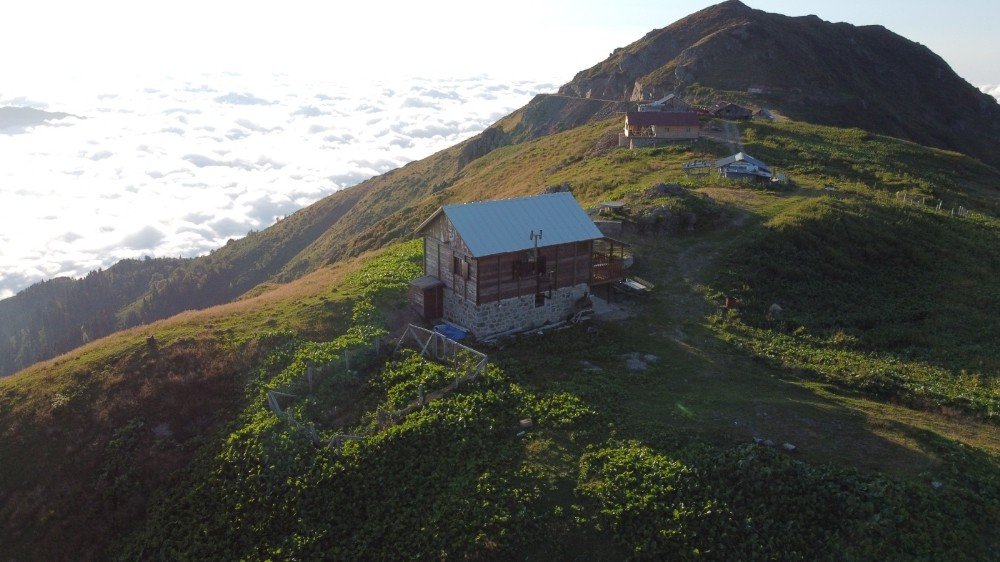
x: 606, y: 269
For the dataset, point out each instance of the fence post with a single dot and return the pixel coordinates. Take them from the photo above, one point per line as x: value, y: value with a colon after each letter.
x: 309, y: 377
x: 420, y: 395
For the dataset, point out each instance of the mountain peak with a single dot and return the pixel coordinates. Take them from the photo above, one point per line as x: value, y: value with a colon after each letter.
x: 828, y: 73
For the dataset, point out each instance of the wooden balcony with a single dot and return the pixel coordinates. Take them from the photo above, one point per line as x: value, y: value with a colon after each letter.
x: 608, y: 261
x: 605, y: 268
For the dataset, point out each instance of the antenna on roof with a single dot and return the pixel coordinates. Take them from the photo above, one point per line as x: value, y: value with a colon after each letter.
x: 535, y: 238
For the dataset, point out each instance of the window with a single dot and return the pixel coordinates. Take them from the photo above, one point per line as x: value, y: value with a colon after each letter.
x: 460, y: 267
x: 528, y: 266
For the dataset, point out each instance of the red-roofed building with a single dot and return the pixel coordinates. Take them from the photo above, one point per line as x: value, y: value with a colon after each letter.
x: 643, y: 128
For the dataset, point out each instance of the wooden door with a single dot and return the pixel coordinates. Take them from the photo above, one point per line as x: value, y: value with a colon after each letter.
x: 434, y: 302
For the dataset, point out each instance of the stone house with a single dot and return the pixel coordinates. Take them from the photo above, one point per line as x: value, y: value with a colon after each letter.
x: 645, y: 128
x: 509, y: 265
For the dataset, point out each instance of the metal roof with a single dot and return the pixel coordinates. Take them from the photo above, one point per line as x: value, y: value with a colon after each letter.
x: 662, y: 118
x: 505, y: 225
x: 741, y: 157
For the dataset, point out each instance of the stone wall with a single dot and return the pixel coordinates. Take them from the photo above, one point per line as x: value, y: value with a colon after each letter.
x: 518, y: 313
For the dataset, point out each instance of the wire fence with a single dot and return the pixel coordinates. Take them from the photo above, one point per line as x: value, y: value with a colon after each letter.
x: 923, y: 201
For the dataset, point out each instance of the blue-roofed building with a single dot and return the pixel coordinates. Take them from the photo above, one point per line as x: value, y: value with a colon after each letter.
x: 512, y: 264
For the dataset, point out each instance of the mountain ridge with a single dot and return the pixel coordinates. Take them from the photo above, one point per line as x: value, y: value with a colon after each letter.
x: 812, y: 70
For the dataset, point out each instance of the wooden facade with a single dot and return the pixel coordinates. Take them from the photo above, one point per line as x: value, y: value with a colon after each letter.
x: 662, y: 125
x: 501, y: 276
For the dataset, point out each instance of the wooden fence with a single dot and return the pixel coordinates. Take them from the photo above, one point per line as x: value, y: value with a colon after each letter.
x: 444, y: 350
x: 468, y: 363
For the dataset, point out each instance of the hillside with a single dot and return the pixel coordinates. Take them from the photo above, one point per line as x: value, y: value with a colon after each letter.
x: 163, y: 445
x: 662, y: 435
x: 60, y: 314
x: 366, y: 216
x: 812, y: 70
x: 869, y: 78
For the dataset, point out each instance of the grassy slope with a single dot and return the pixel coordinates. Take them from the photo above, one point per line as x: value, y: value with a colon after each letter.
x: 64, y: 492
x: 615, y: 455
x: 704, y: 389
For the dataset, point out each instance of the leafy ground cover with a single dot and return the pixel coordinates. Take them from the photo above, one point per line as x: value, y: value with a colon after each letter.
x: 613, y: 467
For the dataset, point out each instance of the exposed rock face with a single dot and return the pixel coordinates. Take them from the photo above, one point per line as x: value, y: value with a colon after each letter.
x: 828, y: 73
x: 486, y: 142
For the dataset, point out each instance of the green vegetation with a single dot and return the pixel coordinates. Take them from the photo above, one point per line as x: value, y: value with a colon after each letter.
x: 881, y: 370
x: 860, y: 162
x: 55, y: 316
x: 886, y: 297
x: 753, y: 503
x: 462, y: 478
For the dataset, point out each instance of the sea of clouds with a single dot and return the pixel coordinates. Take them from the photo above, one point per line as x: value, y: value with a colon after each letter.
x: 178, y: 167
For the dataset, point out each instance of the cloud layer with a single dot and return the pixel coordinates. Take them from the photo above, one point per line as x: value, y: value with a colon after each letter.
x: 991, y: 90
x: 179, y: 167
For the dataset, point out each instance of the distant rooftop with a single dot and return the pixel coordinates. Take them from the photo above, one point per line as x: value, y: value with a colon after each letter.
x: 662, y: 119
x: 741, y: 157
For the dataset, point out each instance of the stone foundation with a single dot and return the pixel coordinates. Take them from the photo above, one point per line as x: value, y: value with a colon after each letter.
x: 513, y: 314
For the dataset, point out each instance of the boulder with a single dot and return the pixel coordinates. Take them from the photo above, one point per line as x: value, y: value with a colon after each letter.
x: 665, y: 189
x: 564, y: 187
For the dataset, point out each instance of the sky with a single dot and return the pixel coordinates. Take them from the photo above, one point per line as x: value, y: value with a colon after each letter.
x: 195, y: 122
x: 548, y: 39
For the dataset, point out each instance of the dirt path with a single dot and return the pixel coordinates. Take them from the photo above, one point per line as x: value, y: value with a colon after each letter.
x: 728, y: 133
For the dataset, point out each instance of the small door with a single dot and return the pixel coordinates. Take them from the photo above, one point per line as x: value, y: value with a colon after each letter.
x: 434, y: 302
